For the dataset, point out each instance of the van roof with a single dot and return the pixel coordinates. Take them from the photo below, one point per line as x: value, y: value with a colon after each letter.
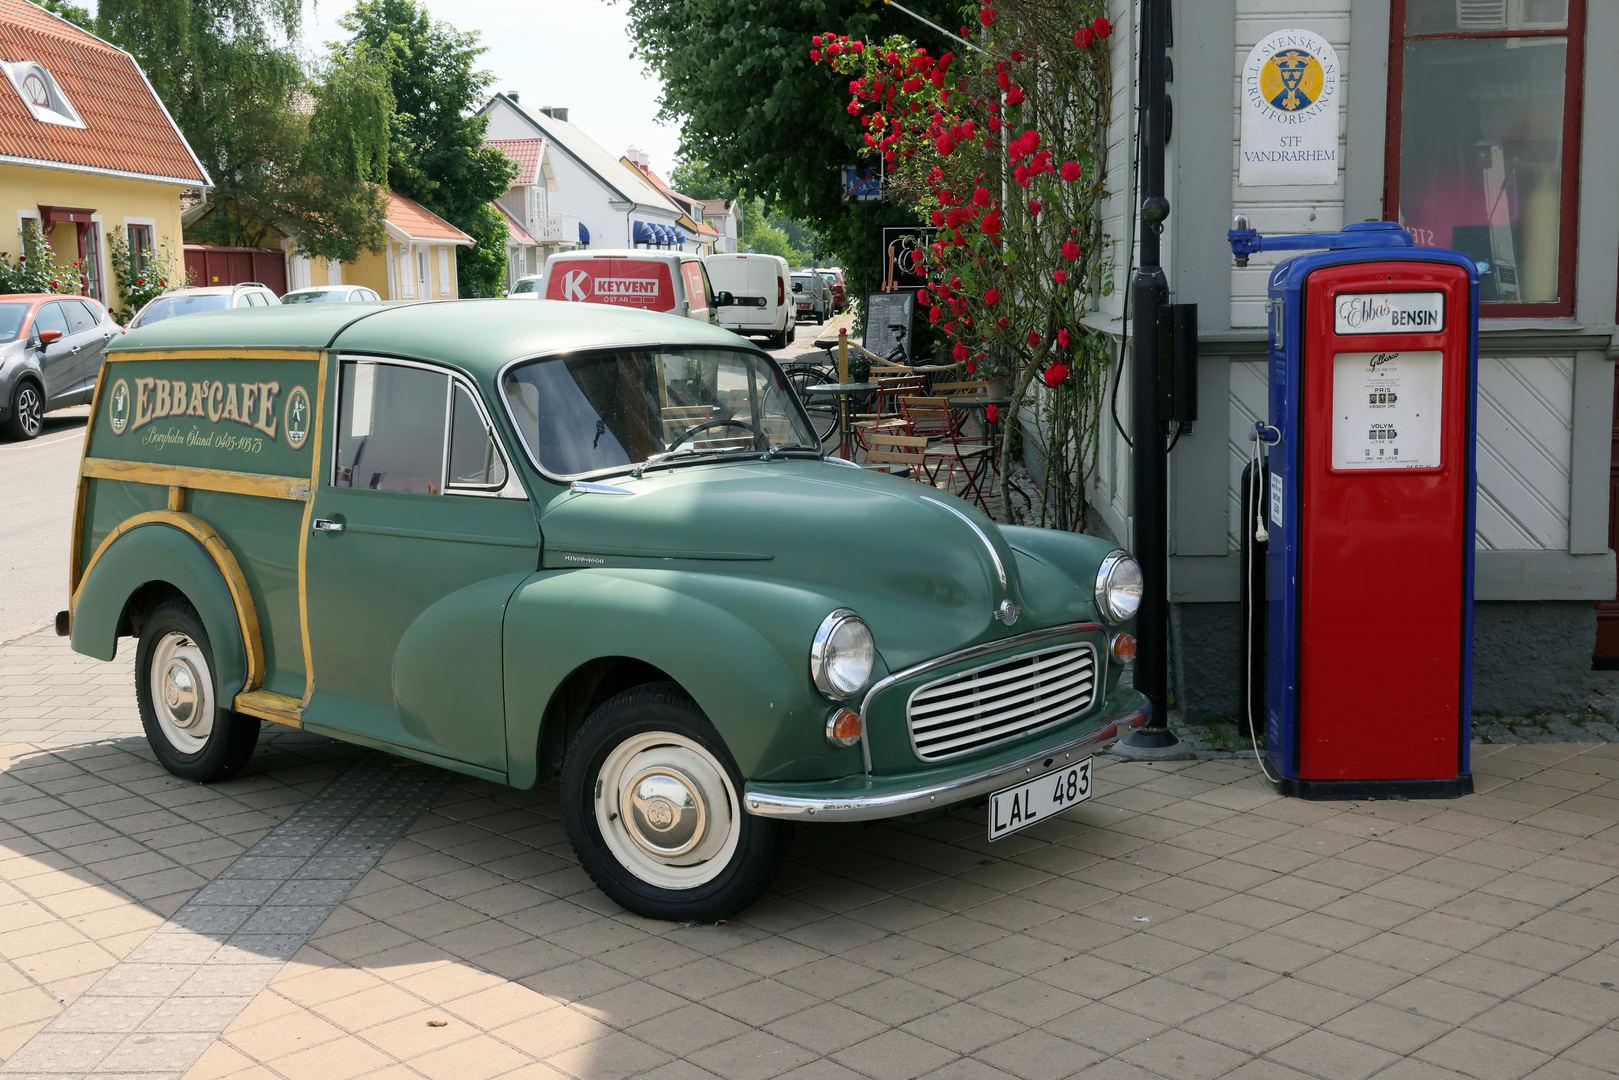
x: 478, y: 336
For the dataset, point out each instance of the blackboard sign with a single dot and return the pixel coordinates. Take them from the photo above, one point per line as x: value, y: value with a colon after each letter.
x: 884, y: 310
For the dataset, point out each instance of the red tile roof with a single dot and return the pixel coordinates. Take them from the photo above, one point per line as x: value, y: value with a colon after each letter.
x: 126, y: 128
x: 417, y: 221
x: 519, y: 233
x: 526, y: 152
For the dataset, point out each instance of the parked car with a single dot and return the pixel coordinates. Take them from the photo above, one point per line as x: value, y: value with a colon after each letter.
x: 50, y: 354
x: 575, y: 544
x: 759, y: 300
x: 330, y: 294
x: 834, y: 279
x: 672, y: 281
x: 527, y: 287
x: 813, y: 295
x: 190, y: 299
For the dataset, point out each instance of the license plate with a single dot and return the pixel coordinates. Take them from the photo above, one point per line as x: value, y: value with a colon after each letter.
x: 1021, y: 805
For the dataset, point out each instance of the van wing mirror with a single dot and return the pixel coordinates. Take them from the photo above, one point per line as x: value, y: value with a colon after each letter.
x: 798, y: 286
x: 724, y: 299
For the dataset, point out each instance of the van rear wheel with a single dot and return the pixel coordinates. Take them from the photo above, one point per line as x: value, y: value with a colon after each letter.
x: 652, y: 803
x: 176, y: 689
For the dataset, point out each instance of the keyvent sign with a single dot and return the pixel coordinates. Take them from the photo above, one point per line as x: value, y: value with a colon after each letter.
x: 1390, y: 313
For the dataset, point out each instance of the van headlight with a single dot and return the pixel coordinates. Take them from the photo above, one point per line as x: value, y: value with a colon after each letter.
x: 1118, y: 587
x: 842, y: 655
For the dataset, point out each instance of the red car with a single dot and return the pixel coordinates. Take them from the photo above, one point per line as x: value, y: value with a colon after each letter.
x: 834, y: 279
x: 50, y: 355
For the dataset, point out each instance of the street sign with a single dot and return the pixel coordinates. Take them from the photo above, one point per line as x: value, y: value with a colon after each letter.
x: 861, y: 185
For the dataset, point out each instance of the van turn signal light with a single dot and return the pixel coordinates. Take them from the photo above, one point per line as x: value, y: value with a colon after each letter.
x: 1124, y: 648
x: 843, y: 728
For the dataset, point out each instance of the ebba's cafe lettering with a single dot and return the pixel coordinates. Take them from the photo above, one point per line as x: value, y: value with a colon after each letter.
x: 135, y: 403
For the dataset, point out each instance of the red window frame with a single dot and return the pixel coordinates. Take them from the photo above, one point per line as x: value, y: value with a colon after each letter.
x: 1573, y: 101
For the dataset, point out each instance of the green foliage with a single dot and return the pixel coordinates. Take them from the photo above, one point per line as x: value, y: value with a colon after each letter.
x: 36, y: 269
x: 140, y: 281
x: 694, y: 177
x: 73, y: 13
x: 289, y: 150
x: 437, y: 156
x: 737, y: 77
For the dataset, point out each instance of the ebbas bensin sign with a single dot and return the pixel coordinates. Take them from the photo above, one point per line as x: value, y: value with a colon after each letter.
x: 1290, y: 98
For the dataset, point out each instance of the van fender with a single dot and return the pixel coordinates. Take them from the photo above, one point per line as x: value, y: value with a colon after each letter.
x: 746, y: 678
x: 184, y: 551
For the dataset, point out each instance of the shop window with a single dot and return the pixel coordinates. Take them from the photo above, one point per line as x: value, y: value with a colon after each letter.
x: 1483, y: 141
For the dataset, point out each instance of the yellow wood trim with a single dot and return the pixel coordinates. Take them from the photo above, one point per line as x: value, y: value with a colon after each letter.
x: 295, y: 488
x: 270, y: 706
x: 177, y: 499
x: 318, y: 461
x: 215, y: 352
x: 246, y: 611
x: 75, y: 544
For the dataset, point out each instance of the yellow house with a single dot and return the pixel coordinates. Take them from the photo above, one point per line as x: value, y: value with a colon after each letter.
x: 419, y: 262
x: 86, y: 147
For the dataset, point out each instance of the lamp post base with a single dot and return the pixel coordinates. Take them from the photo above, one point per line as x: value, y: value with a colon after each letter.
x: 1152, y: 744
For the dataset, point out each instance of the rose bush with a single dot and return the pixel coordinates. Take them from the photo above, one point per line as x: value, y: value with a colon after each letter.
x: 1001, y: 150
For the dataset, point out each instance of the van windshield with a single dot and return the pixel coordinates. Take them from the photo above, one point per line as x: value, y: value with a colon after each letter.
x: 165, y: 307
x: 604, y: 412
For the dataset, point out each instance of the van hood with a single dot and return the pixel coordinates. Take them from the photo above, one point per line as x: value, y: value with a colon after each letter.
x: 927, y: 570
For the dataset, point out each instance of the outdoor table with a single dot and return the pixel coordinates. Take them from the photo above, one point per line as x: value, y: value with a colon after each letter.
x: 974, y: 401
x: 843, y: 392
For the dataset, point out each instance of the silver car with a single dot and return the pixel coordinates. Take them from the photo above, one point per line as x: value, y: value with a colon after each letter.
x: 50, y: 355
x: 190, y: 299
x: 330, y: 294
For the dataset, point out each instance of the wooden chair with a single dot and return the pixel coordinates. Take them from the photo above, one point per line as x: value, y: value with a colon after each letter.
x: 887, y: 416
x: 889, y: 450
x: 950, y: 461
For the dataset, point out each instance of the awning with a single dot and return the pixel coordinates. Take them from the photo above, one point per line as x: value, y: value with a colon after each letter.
x: 662, y: 232
x: 641, y: 233
x: 584, y: 234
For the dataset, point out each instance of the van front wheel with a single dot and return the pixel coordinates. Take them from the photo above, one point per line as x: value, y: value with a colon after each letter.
x: 176, y: 689
x: 652, y: 804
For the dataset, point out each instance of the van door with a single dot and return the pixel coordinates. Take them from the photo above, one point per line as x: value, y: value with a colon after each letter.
x: 420, y: 534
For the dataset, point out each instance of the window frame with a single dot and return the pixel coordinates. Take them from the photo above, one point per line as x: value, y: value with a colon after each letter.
x: 1573, y: 113
x: 512, y: 488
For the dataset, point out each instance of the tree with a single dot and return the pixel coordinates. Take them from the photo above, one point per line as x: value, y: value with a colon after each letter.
x: 437, y: 153
x: 73, y: 13
x: 694, y: 177
x: 288, y: 151
x: 738, y: 79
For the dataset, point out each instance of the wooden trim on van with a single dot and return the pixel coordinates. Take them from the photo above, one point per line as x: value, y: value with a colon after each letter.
x: 75, y: 543
x: 215, y: 352
x: 317, y: 425
x: 246, y: 612
x: 197, y: 479
x: 267, y: 705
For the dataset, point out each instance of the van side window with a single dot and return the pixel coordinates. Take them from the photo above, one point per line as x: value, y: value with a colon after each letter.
x: 475, y: 462
x: 390, y: 428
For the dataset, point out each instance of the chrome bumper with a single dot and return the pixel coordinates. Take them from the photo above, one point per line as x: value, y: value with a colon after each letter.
x: 778, y: 800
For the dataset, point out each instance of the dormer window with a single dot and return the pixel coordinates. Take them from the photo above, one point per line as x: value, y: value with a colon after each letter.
x: 38, y: 90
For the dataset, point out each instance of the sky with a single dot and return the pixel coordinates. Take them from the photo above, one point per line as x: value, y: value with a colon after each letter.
x: 574, y: 53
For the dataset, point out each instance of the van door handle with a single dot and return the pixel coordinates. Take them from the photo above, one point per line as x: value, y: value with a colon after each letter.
x: 327, y: 525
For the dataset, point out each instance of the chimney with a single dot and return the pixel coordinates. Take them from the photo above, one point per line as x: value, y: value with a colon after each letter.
x: 555, y: 112
x: 639, y: 157
x: 512, y: 94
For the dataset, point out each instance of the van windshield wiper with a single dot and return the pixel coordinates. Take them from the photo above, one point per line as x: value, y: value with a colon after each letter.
x: 691, y: 453
x: 778, y: 451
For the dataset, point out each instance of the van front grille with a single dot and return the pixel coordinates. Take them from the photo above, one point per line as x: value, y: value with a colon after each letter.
x: 972, y: 710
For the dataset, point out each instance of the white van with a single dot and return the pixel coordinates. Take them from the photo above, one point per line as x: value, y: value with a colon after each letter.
x: 642, y: 278
x: 761, y: 302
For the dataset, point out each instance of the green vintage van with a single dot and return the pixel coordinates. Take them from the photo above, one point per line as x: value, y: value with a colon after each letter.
x: 567, y: 543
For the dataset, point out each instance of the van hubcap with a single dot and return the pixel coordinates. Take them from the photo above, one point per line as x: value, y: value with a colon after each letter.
x: 182, y: 692
x: 667, y: 810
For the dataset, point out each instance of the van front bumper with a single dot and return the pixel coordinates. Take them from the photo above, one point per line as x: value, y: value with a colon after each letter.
x: 866, y: 798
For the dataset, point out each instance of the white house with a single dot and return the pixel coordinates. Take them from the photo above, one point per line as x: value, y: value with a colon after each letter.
x: 616, y: 207
x: 534, y: 232
x: 724, y: 216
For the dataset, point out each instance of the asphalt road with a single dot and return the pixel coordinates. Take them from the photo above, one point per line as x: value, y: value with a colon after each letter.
x: 36, y: 503
x: 36, y: 515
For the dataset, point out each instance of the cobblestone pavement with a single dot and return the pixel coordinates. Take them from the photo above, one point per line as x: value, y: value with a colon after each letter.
x: 1185, y: 923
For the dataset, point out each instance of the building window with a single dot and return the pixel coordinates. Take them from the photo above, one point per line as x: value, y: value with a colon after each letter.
x: 1483, y: 141
x: 140, y: 247
x: 39, y: 92
x: 92, y: 262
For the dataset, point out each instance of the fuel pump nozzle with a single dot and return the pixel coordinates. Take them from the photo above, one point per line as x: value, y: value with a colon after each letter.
x: 1246, y: 241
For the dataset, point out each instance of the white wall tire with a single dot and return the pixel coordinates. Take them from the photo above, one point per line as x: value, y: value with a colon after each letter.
x: 652, y: 803
x: 177, y: 692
